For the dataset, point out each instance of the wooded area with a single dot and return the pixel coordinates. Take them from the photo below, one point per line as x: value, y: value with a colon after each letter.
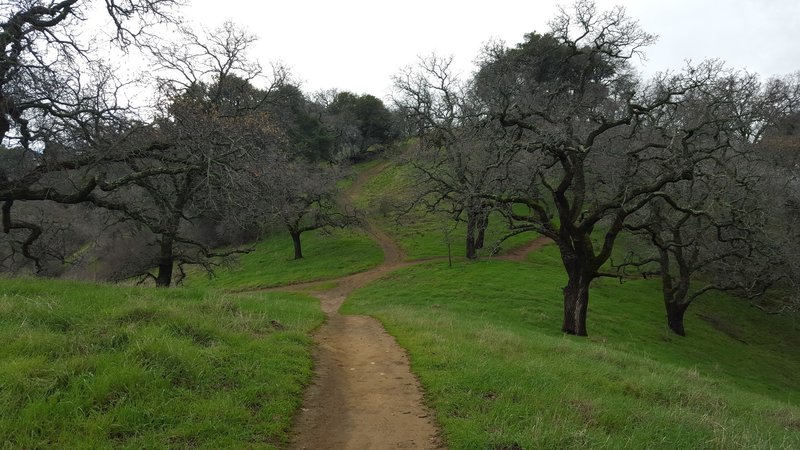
x: 696, y: 169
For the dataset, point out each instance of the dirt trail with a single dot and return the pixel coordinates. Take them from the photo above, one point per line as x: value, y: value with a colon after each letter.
x: 519, y: 254
x: 364, y: 395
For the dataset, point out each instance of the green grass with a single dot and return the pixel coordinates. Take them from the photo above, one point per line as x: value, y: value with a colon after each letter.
x: 421, y: 234
x: 326, y: 256
x: 484, y: 340
x: 346, y: 182
x: 93, y: 366
x: 96, y: 366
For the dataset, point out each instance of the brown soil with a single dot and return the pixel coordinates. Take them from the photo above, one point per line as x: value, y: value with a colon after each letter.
x: 364, y: 395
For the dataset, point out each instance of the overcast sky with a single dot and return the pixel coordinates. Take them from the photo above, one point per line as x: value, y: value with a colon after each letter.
x: 357, y: 45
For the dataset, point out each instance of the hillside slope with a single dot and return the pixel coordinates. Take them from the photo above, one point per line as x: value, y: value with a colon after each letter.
x: 484, y: 339
x: 93, y: 366
x: 88, y: 365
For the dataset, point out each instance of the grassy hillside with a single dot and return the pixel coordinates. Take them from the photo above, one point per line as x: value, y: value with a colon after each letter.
x: 86, y: 365
x: 93, y: 366
x: 421, y: 234
x: 326, y: 256
x: 484, y: 339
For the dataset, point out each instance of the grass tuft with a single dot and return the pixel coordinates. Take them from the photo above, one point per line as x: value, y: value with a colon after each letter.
x: 86, y: 366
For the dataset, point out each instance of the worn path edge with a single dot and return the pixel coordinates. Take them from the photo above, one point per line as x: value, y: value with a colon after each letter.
x: 363, y: 395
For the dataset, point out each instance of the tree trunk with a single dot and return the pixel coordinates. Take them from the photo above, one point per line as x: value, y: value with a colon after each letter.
x: 675, y: 313
x: 472, y: 252
x: 483, y: 223
x: 166, y: 262
x: 576, y: 292
x: 673, y: 295
x: 298, y: 249
x: 576, y: 304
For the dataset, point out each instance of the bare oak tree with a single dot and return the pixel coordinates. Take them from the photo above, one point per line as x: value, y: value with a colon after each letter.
x: 303, y: 197
x: 461, y: 155
x: 212, y: 136
x: 711, y: 232
x: 57, y: 100
x: 599, y: 144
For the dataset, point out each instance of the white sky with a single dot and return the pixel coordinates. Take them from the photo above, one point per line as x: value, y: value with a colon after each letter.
x: 357, y: 45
